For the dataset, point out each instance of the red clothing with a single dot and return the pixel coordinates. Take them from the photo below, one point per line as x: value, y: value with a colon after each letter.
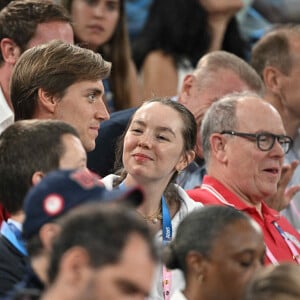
x: 214, y: 192
x: 4, y: 215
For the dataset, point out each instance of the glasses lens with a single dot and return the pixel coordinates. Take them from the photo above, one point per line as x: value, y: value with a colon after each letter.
x: 265, y: 141
x: 285, y: 143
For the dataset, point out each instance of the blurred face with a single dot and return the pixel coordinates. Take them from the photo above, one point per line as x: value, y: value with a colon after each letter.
x: 128, y: 279
x: 199, y: 97
x: 74, y: 156
x: 153, y: 144
x: 254, y: 174
x: 95, y: 21
x: 289, y: 91
x: 202, y: 94
x: 236, y: 254
x: 49, y: 31
x: 82, y: 107
x: 222, y: 6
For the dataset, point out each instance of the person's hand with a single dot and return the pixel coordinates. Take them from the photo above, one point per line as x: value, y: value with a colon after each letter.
x: 284, y: 195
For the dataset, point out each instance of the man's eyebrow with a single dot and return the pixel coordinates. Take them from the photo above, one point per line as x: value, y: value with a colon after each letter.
x: 96, y: 91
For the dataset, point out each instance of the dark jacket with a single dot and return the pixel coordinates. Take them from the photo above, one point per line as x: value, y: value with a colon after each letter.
x: 12, y: 265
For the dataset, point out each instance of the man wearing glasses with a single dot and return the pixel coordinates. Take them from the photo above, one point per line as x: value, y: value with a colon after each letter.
x: 244, y: 143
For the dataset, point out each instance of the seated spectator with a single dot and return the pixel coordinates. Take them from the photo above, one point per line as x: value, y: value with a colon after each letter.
x: 101, y: 27
x: 217, y: 74
x: 57, y: 193
x: 157, y: 145
x: 280, y: 282
x: 56, y: 145
x: 244, y: 143
x: 64, y: 82
x: 101, y: 254
x: 164, y: 55
x: 218, y: 249
x: 276, y: 59
x: 259, y: 16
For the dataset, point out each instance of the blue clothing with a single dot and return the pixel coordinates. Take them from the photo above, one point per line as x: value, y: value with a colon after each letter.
x: 136, y: 13
x: 14, y: 236
x: 13, y: 257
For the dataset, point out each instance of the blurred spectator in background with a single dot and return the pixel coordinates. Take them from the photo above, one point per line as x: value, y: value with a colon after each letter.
x: 28, y: 150
x: 100, y: 25
x: 101, y: 253
x: 176, y: 34
x: 279, y: 282
x: 259, y: 16
x: 136, y: 15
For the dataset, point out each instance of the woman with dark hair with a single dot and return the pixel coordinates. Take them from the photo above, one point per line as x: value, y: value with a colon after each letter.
x: 218, y: 248
x: 159, y: 143
x: 100, y: 25
x: 177, y: 33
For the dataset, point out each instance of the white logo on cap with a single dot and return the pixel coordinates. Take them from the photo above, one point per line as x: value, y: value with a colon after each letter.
x: 53, y: 204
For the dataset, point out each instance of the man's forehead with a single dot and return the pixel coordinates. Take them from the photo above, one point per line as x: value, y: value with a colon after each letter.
x: 52, y: 30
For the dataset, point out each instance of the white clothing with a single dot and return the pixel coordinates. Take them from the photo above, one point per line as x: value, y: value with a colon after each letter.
x: 178, y: 295
x: 6, y: 115
x: 187, y: 206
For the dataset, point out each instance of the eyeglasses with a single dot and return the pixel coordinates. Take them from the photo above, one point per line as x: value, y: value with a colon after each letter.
x: 265, y: 140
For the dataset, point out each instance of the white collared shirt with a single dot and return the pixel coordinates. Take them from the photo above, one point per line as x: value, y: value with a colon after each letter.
x: 6, y: 114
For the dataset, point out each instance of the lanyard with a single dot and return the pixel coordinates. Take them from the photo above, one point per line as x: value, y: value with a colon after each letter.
x: 269, y: 254
x: 289, y: 243
x: 167, y: 237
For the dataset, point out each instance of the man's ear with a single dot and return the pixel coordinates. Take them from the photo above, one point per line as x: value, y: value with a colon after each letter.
x: 46, y: 102
x: 10, y: 51
x: 37, y: 177
x: 217, y: 144
x: 75, y: 266
x: 188, y: 82
x: 272, y: 79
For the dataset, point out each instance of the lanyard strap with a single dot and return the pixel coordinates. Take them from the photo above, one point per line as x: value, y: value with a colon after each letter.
x: 289, y: 243
x: 269, y: 254
x: 167, y: 237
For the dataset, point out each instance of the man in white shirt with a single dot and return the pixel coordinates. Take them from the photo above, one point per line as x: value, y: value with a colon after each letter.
x: 24, y: 24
